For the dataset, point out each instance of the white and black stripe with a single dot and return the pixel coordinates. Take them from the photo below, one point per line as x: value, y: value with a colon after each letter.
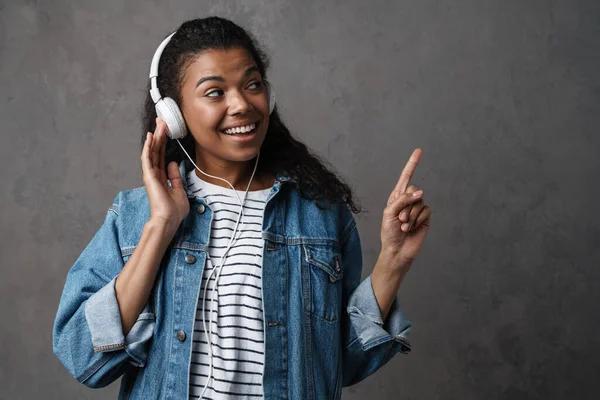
x: 237, y: 325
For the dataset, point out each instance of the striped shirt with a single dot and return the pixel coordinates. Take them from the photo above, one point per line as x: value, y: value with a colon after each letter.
x: 238, y: 336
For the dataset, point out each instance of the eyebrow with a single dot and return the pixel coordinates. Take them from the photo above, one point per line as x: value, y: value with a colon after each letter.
x: 247, y: 73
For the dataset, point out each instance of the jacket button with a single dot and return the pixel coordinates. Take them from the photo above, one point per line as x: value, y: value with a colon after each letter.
x: 181, y: 336
x: 201, y: 209
x: 190, y: 259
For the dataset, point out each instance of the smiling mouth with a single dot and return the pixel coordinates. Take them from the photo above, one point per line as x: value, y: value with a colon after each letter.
x: 243, y: 130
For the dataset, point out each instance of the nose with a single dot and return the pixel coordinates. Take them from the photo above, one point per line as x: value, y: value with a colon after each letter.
x: 237, y: 103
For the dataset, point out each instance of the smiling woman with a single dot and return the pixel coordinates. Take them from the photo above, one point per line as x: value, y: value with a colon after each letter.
x: 217, y: 73
x: 290, y: 317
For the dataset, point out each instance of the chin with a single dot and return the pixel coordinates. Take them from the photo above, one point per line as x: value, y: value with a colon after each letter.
x: 246, y: 154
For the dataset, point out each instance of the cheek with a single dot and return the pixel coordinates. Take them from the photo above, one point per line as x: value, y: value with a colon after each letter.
x: 202, y: 118
x: 263, y: 105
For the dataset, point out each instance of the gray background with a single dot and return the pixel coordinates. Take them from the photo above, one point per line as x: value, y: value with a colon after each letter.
x: 502, y: 96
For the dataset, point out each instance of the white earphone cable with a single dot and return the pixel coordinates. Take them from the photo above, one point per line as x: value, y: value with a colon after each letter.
x: 208, y: 332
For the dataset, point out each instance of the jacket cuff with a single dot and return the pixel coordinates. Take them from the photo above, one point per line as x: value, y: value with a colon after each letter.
x: 104, y: 322
x: 365, y: 317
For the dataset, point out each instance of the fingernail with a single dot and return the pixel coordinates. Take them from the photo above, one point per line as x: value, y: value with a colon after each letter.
x: 417, y: 193
x: 403, y: 216
x: 405, y: 227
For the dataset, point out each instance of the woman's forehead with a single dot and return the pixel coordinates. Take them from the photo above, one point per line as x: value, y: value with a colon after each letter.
x: 225, y: 63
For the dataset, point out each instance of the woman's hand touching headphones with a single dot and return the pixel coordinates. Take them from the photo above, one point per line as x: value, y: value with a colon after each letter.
x: 169, y: 205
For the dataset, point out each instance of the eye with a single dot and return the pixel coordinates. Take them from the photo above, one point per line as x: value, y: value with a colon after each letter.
x: 256, y: 85
x: 211, y: 93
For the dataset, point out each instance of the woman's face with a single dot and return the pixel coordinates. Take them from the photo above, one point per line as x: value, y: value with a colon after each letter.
x: 223, y: 89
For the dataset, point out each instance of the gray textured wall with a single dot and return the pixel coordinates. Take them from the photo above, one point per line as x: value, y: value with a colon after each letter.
x: 502, y: 96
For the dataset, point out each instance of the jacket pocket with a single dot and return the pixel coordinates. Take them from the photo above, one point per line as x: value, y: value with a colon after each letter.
x: 322, y: 281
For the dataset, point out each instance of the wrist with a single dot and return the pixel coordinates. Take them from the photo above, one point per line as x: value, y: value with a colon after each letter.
x: 392, y: 261
x: 162, y: 228
x: 386, y: 278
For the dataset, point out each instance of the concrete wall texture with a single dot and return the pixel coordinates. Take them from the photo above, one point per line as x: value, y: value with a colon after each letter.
x: 502, y: 96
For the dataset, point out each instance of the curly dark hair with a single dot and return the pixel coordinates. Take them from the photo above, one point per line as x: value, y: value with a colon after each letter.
x: 313, y: 177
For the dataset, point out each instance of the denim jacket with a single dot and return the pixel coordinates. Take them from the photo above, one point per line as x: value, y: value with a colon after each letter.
x: 322, y: 326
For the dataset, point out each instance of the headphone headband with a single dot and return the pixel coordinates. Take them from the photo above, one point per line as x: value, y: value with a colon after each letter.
x: 154, y: 92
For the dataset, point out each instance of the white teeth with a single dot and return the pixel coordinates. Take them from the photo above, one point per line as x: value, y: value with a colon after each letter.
x: 242, y: 129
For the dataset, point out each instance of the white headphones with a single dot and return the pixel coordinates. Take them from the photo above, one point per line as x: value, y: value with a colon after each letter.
x: 167, y: 109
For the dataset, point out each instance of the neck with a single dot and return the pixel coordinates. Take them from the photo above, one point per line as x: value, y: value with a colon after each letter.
x: 236, y: 173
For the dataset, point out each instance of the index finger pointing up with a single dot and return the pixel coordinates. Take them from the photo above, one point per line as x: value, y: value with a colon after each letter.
x: 408, y: 171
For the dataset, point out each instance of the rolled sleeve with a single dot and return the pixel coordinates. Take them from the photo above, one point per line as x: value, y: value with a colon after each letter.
x: 368, y: 341
x: 366, y: 320
x: 104, y: 322
x: 87, y: 336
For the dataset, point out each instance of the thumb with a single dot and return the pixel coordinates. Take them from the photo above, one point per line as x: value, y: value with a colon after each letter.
x: 174, y: 175
x: 405, y: 199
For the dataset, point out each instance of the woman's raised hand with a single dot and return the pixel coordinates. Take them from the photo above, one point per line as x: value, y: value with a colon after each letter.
x: 406, y: 219
x: 168, y: 204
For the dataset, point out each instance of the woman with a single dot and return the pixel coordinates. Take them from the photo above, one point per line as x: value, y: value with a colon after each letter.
x: 235, y: 273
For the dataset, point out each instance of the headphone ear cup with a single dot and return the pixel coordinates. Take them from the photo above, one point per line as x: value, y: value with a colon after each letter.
x: 271, y: 97
x: 167, y: 109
